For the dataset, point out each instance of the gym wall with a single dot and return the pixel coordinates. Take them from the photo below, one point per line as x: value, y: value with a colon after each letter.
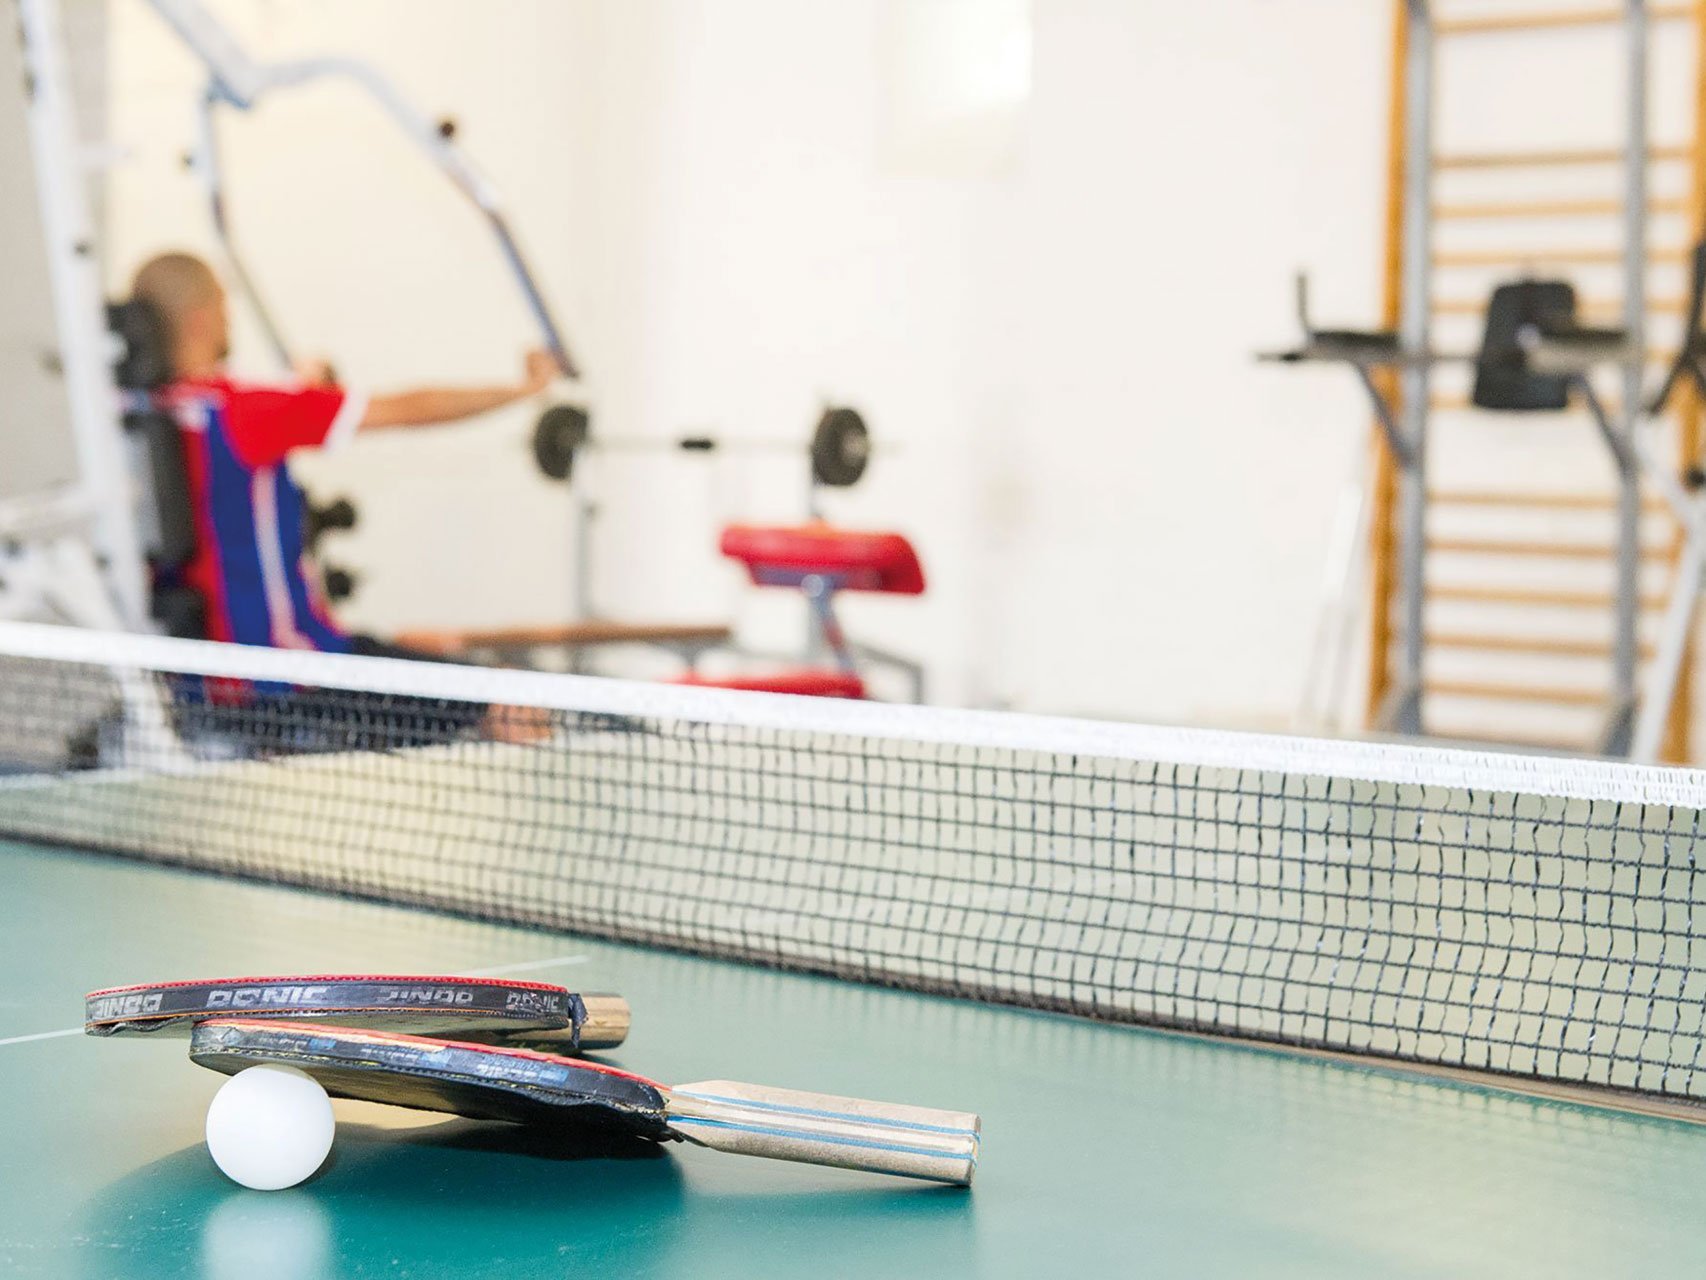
x: 1121, y: 512
x: 741, y: 212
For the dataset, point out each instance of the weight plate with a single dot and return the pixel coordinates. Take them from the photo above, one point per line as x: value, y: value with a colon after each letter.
x: 560, y: 431
x: 841, y: 448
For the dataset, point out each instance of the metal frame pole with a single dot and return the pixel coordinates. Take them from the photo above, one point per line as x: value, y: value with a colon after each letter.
x: 239, y: 80
x: 84, y: 344
x: 1689, y: 508
x: 1626, y: 621
x: 1415, y: 335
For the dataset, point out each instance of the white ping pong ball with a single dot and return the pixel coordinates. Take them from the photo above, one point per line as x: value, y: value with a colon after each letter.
x: 270, y: 1127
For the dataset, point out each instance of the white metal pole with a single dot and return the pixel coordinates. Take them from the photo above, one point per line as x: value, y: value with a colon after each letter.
x: 79, y: 307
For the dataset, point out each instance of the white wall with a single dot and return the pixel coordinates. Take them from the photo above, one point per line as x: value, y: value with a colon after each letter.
x: 1121, y: 512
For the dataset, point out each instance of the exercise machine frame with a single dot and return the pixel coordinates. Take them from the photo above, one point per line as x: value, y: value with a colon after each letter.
x: 77, y: 555
x: 237, y: 80
x: 1403, y: 420
x: 1556, y: 347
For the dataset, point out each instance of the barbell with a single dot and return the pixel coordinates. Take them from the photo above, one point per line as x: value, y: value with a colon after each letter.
x: 839, y: 449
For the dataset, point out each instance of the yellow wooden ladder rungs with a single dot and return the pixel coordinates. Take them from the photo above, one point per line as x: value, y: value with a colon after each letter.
x: 1551, y: 19
x: 1452, y: 207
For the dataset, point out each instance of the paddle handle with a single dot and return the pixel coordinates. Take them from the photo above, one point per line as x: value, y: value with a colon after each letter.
x: 608, y: 1021
x: 817, y: 1128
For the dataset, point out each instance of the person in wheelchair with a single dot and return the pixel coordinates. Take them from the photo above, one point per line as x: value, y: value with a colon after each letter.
x: 243, y: 571
x: 250, y: 568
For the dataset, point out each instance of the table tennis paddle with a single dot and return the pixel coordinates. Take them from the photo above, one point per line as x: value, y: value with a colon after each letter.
x: 501, y: 1082
x: 475, y: 1008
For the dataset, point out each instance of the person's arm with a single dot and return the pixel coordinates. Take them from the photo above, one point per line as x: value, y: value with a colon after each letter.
x: 429, y: 406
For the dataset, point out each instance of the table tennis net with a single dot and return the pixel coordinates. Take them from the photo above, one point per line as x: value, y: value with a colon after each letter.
x: 1537, y: 917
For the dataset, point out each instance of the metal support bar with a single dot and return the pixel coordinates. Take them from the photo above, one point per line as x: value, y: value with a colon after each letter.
x: 238, y: 80
x: 1678, y: 626
x: 208, y: 164
x: 911, y: 669
x: 1616, y: 438
x: 1323, y: 681
x: 84, y: 352
x: 1616, y: 736
x: 1403, y: 712
x: 826, y: 636
x: 1387, y: 416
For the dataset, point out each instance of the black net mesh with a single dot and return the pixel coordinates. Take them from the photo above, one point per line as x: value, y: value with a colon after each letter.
x: 1392, y: 908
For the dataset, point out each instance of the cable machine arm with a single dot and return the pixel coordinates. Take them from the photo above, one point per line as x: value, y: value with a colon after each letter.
x: 235, y: 79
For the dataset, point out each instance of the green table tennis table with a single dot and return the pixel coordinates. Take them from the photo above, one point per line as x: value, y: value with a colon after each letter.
x: 1108, y: 1150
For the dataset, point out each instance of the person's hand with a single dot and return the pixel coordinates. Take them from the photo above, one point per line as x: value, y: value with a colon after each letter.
x: 442, y: 644
x: 315, y: 373
x: 541, y: 370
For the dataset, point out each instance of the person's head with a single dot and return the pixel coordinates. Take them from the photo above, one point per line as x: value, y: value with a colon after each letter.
x: 190, y: 299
